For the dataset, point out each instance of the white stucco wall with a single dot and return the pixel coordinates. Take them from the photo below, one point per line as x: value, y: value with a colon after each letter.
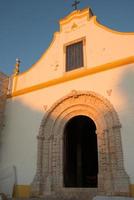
x: 25, y: 112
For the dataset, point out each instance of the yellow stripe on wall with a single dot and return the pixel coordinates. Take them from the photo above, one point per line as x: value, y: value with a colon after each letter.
x: 74, y: 75
x: 132, y: 190
x: 22, y: 191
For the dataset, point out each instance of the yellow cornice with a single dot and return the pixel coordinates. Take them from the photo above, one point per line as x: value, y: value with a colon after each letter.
x: 74, y: 75
x: 110, y: 30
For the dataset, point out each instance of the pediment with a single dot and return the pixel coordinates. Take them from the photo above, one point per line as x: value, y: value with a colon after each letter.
x: 103, y: 49
x: 76, y: 18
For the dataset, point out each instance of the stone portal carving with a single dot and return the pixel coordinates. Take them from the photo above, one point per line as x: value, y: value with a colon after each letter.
x: 112, y: 178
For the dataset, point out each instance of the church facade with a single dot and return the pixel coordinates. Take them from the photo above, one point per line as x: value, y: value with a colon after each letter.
x: 69, y: 119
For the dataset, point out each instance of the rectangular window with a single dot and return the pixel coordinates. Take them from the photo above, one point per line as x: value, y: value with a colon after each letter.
x: 74, y: 56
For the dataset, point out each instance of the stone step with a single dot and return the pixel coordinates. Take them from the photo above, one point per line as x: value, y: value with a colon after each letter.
x: 76, y: 198
x: 72, y: 194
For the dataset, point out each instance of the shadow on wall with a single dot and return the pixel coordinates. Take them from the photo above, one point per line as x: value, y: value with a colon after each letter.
x: 18, y: 147
x: 126, y: 86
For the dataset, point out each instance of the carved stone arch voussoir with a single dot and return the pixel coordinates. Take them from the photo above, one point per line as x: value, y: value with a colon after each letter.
x: 112, y: 179
x: 86, y: 98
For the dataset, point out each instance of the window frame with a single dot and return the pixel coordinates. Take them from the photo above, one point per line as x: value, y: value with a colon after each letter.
x: 83, y: 40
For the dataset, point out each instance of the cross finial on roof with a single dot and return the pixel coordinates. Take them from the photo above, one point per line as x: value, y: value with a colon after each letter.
x: 75, y: 4
x: 17, y: 65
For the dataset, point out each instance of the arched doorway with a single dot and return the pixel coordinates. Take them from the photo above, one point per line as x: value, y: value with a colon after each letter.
x: 49, y: 178
x: 80, y: 157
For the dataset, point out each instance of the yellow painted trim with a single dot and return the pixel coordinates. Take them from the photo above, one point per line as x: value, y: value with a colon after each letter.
x: 132, y: 190
x: 110, y: 30
x: 74, y: 75
x: 22, y: 191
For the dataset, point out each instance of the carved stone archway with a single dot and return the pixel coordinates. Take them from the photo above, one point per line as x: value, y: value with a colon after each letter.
x: 112, y: 178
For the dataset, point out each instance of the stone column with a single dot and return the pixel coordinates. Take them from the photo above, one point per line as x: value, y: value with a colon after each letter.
x: 120, y: 177
x: 48, y: 171
x: 37, y: 183
x: 101, y: 161
x: 105, y: 175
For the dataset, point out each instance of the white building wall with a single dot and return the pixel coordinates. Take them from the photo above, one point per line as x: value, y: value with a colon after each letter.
x: 25, y: 112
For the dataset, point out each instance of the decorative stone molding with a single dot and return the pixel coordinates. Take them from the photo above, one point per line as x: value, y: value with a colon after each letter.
x: 112, y: 178
x: 45, y: 107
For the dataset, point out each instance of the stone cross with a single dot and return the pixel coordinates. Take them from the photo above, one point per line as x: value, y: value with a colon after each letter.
x: 75, y: 4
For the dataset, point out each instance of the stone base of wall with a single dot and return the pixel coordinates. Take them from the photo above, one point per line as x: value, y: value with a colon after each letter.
x: 74, y: 194
x: 112, y: 198
x: 24, y: 191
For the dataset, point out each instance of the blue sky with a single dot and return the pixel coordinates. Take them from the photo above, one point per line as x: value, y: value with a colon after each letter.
x: 27, y: 26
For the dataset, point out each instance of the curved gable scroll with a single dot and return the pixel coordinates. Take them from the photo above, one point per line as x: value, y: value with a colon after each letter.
x: 112, y: 178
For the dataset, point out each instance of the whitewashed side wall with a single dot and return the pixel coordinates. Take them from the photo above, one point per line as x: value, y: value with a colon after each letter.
x: 3, y: 92
x: 25, y: 112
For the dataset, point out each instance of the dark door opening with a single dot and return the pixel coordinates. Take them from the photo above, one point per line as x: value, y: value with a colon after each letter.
x: 80, y: 153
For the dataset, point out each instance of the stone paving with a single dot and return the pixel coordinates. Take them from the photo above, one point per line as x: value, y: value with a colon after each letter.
x: 74, y: 198
x: 112, y: 198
